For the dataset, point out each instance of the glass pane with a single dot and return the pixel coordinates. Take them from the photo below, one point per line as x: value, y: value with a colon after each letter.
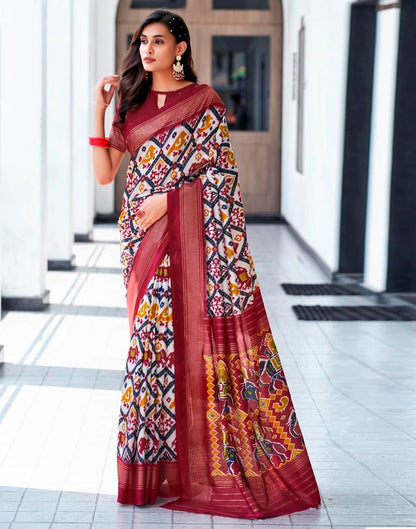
x: 240, y: 74
x: 135, y: 4
x: 241, y: 4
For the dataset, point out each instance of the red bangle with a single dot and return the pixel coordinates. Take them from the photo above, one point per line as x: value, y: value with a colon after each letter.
x: 99, y: 142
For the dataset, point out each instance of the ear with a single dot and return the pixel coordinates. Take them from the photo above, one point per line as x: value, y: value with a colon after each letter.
x: 181, y: 47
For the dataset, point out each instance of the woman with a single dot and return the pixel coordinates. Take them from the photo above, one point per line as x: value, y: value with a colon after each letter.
x: 206, y: 414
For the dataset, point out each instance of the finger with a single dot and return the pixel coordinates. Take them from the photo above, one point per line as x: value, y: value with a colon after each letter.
x: 111, y: 83
x: 113, y: 77
x: 110, y: 92
x: 108, y: 79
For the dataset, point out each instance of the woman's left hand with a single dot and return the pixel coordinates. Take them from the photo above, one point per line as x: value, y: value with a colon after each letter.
x: 152, y: 209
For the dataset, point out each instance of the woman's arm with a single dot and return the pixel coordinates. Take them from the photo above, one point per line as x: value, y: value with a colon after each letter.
x: 105, y: 161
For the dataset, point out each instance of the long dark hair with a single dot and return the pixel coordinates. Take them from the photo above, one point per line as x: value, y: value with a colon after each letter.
x: 133, y: 87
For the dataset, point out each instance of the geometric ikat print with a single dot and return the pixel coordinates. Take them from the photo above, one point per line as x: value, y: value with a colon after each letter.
x: 199, y: 147
x: 146, y: 431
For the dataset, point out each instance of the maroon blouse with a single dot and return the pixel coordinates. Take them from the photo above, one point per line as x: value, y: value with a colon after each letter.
x: 148, y: 119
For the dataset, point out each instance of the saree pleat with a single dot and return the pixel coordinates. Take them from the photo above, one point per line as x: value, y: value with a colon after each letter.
x: 146, y: 461
x: 206, y: 414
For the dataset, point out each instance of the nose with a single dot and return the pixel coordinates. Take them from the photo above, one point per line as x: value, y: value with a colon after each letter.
x: 149, y: 48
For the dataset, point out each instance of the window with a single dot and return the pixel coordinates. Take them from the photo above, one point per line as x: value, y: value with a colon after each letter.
x: 136, y: 4
x: 240, y: 4
x: 240, y: 75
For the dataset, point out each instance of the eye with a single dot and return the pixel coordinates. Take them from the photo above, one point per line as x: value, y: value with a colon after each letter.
x: 159, y: 41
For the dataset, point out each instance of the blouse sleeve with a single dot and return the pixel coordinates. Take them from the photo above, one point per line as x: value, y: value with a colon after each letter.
x: 116, y: 134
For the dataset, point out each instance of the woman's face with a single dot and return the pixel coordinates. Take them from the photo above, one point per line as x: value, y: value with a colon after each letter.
x: 158, y: 43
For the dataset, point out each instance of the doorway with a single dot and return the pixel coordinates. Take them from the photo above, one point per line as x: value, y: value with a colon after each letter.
x: 239, y: 53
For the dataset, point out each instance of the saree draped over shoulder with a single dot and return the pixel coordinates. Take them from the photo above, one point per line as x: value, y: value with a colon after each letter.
x: 206, y: 415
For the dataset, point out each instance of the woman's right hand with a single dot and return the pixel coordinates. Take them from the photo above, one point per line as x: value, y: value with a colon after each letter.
x: 103, y: 97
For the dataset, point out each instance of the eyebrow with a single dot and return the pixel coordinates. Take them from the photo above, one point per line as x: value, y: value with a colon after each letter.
x: 143, y: 35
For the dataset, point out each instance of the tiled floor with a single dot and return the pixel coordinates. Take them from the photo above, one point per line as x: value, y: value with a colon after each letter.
x: 353, y: 385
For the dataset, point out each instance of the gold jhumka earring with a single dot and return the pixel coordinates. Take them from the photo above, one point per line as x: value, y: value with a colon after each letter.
x: 178, y: 72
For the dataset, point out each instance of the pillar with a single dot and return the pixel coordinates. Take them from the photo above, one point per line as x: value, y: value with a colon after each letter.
x: 83, y: 69
x: 1, y: 347
x: 23, y: 154
x: 380, y: 162
x: 59, y: 135
x: 105, y: 38
x: 401, y: 273
x: 357, y: 135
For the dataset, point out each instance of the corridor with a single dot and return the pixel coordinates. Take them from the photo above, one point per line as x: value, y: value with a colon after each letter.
x: 353, y: 385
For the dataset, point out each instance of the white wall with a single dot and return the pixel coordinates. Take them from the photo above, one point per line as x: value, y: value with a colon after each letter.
x: 380, y: 165
x: 311, y: 200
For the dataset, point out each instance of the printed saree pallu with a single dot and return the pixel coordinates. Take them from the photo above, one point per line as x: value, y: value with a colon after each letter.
x: 206, y: 414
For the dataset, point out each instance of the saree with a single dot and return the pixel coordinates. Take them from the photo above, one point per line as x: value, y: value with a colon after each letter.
x: 206, y: 415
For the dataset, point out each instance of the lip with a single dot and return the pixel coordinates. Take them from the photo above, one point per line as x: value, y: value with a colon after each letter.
x: 148, y: 59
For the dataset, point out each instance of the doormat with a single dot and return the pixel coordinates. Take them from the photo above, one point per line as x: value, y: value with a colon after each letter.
x: 319, y: 289
x: 353, y: 313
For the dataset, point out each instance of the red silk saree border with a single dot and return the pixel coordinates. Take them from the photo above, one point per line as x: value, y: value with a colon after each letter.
x: 275, y: 492
x: 141, y: 484
x: 151, y: 251
x: 143, y: 123
x: 191, y: 104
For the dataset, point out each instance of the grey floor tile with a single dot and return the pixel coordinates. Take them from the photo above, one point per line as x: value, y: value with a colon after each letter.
x: 7, y: 516
x: 349, y: 527
x: 224, y: 520
x: 236, y: 523
x: 35, y: 505
x: 276, y: 520
x: 71, y: 526
x: 139, y: 525
x: 312, y: 526
x: 387, y: 509
x: 30, y: 525
x: 318, y: 518
x: 271, y: 525
x: 110, y: 517
x: 364, y: 499
x: 162, y: 516
x: 191, y: 518
x: 107, y: 498
x: 72, y: 506
x: 34, y: 516
x: 8, y: 505
x: 41, y: 495
x: 78, y: 496
x: 381, y: 520
x: 74, y: 516
x: 103, y: 525
x: 11, y: 495
x: 110, y: 506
